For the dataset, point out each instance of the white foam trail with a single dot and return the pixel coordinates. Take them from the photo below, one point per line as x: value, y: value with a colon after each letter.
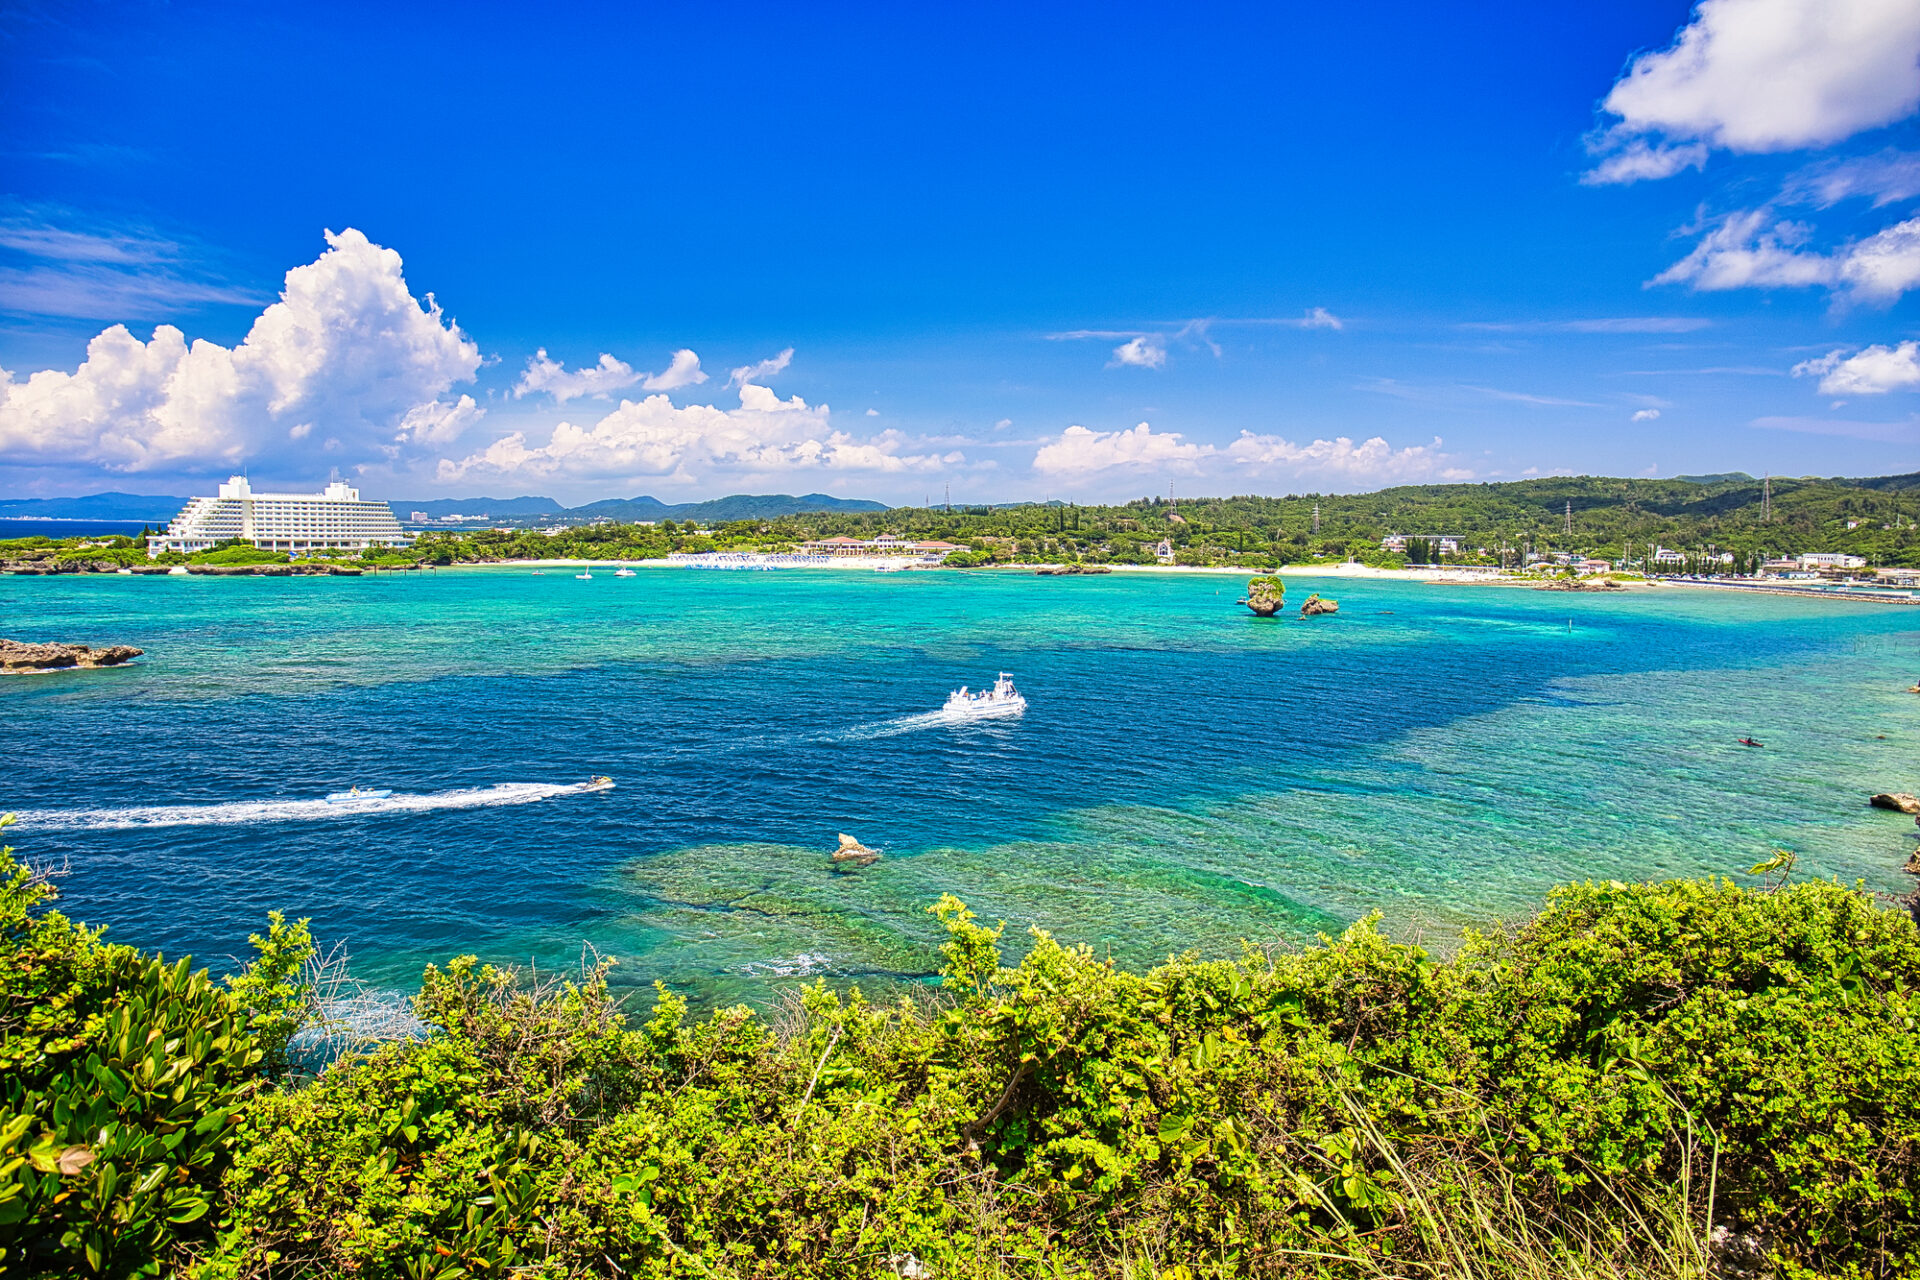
x: 247, y: 812
x: 918, y: 721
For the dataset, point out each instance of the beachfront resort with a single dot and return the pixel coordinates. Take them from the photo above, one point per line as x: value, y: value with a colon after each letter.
x: 334, y: 519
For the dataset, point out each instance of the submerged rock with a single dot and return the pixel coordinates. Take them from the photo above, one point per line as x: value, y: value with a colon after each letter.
x: 1265, y: 595
x: 1898, y: 801
x: 18, y: 657
x: 1315, y: 605
x: 852, y: 851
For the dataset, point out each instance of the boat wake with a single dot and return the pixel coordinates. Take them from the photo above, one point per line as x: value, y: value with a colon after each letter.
x: 943, y: 718
x: 249, y: 812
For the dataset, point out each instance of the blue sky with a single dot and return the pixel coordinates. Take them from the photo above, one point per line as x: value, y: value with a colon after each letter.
x: 1058, y: 251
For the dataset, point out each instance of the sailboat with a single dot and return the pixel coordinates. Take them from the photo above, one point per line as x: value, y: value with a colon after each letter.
x: 585, y: 574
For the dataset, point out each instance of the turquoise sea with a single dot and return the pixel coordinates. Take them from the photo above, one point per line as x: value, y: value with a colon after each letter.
x: 1188, y: 776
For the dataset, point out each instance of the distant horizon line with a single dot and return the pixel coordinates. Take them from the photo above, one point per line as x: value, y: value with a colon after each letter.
x: 10, y: 506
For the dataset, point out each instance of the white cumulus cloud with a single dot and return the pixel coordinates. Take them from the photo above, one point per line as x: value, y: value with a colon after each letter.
x: 543, y: 373
x: 683, y: 371
x: 761, y: 370
x: 1873, y: 371
x: 1645, y: 415
x: 347, y: 363
x: 1760, y: 76
x: 1081, y: 452
x: 1751, y: 250
x: 549, y: 375
x: 1321, y: 318
x: 652, y: 438
x: 1372, y: 460
x: 1148, y: 351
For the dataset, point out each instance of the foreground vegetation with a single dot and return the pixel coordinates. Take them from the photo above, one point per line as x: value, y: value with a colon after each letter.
x: 1587, y: 1093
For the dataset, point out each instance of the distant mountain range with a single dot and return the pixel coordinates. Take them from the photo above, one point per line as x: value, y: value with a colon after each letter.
x: 157, y: 509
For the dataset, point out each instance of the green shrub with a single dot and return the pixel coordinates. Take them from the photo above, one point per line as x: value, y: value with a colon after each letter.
x: 1583, y: 1093
x: 122, y: 1079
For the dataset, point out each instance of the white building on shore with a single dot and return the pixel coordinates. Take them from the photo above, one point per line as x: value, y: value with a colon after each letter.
x: 334, y: 519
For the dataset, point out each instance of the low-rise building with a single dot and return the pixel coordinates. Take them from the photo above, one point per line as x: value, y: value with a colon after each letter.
x: 1831, y: 560
x: 887, y: 545
x: 1398, y: 542
x: 335, y: 519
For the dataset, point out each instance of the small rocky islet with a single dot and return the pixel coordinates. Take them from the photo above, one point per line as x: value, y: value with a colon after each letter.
x: 20, y: 657
x: 1266, y: 595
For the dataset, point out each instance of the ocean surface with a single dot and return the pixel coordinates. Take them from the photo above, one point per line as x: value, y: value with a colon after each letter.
x: 1188, y: 776
x: 11, y: 527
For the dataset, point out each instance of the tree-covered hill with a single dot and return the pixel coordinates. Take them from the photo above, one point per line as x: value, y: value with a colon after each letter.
x: 1608, y: 516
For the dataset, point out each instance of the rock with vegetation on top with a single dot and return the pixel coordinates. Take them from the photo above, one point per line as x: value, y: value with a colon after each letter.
x: 18, y: 657
x: 1913, y: 863
x: 851, y: 850
x: 1315, y: 605
x: 1898, y: 801
x: 1265, y: 595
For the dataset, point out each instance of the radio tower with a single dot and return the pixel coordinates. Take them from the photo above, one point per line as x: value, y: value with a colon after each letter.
x: 1766, y: 499
x: 1316, y: 518
x: 1569, y: 515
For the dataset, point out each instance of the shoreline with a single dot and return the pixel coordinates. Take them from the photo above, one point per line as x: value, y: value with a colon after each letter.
x: 1439, y: 576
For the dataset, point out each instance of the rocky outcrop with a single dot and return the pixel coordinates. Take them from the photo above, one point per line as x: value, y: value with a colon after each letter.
x: 1898, y: 801
x: 1265, y: 595
x: 19, y: 658
x: 1581, y: 584
x: 1315, y: 605
x: 315, y: 570
x: 1053, y: 570
x: 51, y: 565
x: 852, y: 852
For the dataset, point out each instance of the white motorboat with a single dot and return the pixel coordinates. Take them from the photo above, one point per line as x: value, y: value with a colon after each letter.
x: 358, y: 793
x: 1001, y: 700
x: 623, y: 573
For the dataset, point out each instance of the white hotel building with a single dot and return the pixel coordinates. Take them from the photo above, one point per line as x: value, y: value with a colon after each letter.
x: 297, y: 523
